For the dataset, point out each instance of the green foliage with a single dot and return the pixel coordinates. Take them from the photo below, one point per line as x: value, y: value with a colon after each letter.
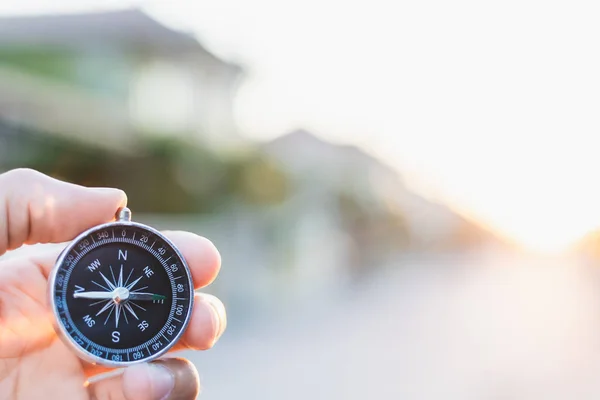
x: 103, y: 73
x: 257, y: 180
x: 55, y: 63
x: 164, y: 175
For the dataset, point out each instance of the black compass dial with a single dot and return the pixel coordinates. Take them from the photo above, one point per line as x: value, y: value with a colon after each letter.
x: 122, y: 293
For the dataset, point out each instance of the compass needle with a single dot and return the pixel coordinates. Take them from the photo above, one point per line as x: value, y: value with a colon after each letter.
x: 146, y: 296
x: 115, y: 299
x: 93, y: 295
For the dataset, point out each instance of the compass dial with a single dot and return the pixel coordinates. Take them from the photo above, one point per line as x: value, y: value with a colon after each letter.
x: 122, y: 293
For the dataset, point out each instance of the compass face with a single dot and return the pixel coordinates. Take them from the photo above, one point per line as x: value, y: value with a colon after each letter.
x: 122, y: 294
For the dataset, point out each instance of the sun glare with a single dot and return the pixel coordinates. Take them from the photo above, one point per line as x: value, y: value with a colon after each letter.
x: 544, y: 239
x: 545, y: 221
x: 492, y: 104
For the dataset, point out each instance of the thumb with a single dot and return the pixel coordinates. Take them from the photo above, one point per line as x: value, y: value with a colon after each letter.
x: 35, y: 208
x: 166, y: 379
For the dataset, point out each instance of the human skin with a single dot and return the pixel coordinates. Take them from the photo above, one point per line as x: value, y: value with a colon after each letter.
x: 34, y: 362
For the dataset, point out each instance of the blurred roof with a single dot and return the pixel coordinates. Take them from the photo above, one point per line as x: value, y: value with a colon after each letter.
x: 305, y: 148
x: 303, y: 152
x: 131, y: 28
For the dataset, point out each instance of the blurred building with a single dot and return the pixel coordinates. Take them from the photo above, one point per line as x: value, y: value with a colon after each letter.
x: 375, y: 187
x: 349, y: 213
x: 105, y: 77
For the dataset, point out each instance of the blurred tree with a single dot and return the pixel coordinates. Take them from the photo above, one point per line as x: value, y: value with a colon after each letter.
x: 41, y: 60
x: 257, y: 180
x: 164, y: 175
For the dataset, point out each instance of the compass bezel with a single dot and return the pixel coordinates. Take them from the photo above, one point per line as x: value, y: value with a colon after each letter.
x: 61, y: 330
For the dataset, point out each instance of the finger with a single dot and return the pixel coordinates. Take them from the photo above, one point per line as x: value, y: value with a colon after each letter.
x: 201, y: 255
x: 171, y: 378
x: 35, y: 208
x: 207, y: 323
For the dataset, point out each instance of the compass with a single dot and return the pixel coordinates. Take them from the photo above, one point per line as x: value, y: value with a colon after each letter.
x: 121, y: 293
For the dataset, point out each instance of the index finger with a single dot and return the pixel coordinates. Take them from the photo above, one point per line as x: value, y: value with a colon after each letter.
x: 35, y: 208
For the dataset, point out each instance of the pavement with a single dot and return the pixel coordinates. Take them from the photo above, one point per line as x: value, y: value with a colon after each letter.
x: 490, y: 327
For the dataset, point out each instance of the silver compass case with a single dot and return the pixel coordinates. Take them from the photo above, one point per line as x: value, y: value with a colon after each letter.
x: 160, y: 267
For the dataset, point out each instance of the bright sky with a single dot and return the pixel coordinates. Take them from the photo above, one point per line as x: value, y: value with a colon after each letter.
x: 492, y: 105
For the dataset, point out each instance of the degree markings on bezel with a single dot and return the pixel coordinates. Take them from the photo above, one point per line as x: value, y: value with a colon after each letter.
x: 69, y: 264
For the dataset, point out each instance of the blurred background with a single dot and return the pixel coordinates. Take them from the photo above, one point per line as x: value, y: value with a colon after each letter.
x: 404, y: 194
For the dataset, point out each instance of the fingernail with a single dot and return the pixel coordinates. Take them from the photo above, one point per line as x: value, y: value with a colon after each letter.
x: 162, y: 381
x: 220, y: 314
x: 104, y: 190
x: 110, y: 192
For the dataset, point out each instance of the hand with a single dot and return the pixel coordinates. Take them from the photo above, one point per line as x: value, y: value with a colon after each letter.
x: 34, y: 363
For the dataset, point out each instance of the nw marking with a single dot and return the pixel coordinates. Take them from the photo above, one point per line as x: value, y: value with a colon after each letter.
x: 94, y: 265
